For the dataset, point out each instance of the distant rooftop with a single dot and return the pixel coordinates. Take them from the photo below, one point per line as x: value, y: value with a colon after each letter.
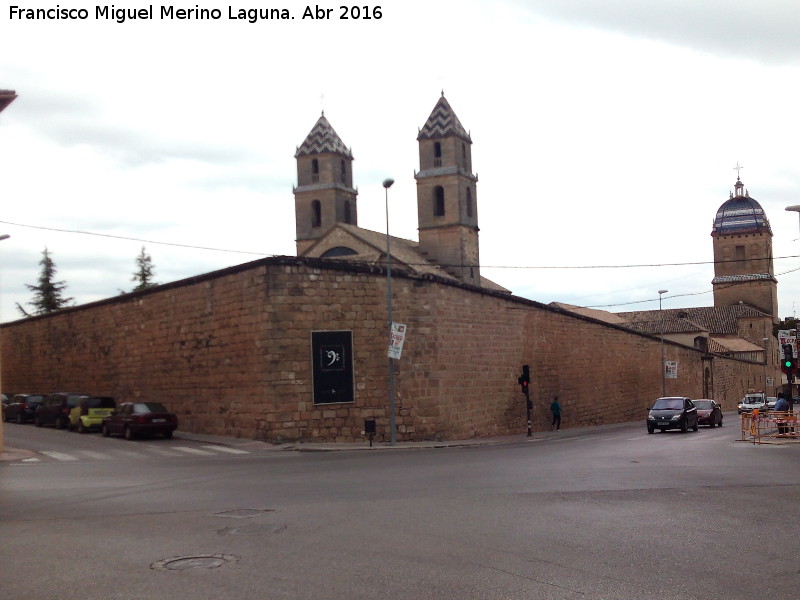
x: 6, y: 98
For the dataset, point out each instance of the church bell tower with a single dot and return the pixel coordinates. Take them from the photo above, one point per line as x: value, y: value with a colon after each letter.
x: 743, y: 265
x: 447, y: 200
x: 324, y: 195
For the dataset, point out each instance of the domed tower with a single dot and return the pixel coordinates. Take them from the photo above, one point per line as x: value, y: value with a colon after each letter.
x: 447, y: 199
x: 743, y: 266
x: 324, y: 195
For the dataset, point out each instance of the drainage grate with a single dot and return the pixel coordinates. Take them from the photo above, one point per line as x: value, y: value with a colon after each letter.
x: 201, y: 561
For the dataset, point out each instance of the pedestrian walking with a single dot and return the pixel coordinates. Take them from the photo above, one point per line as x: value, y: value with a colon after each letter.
x: 782, y: 406
x: 555, y: 408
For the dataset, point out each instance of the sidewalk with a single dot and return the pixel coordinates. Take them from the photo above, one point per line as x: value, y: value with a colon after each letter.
x: 365, y: 445
x: 16, y: 454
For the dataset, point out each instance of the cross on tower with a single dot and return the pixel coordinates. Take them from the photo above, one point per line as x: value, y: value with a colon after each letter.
x: 737, y: 168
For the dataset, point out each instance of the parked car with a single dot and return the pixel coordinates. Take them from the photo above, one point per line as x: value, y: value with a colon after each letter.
x: 56, y: 408
x: 132, y: 419
x: 752, y: 401
x: 771, y: 401
x: 677, y: 412
x: 5, y: 401
x: 709, y: 412
x: 22, y: 407
x: 90, y: 412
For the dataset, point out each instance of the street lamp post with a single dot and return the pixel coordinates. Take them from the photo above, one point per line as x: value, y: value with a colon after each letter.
x: 5, y: 236
x: 663, y: 364
x: 765, y: 341
x: 387, y: 183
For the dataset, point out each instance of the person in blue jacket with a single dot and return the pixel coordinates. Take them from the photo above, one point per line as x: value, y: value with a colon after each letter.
x: 555, y: 408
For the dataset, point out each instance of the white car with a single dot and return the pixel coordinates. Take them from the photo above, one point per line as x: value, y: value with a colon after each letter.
x: 751, y: 402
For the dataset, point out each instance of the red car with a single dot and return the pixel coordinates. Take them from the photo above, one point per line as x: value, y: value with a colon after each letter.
x: 708, y: 413
x: 133, y: 419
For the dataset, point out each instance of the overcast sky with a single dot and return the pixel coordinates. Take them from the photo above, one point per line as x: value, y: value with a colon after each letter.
x: 604, y: 134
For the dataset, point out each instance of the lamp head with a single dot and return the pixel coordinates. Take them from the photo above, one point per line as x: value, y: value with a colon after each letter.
x: 387, y: 183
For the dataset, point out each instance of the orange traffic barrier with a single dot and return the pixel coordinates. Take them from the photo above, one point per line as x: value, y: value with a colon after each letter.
x: 773, y: 427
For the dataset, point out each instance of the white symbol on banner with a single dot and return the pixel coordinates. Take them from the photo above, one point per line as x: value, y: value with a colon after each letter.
x: 332, y: 356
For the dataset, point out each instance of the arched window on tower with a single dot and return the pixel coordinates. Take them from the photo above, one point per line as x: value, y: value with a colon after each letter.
x: 316, y: 213
x: 348, y: 215
x: 438, y: 201
x: 464, y: 153
x: 437, y: 154
x: 314, y: 170
x: 469, y: 202
x: 344, y: 173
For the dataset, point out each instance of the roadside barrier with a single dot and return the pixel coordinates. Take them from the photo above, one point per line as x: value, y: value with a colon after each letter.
x: 773, y: 427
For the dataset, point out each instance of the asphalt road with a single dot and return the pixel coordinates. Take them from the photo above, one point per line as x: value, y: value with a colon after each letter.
x: 602, y: 513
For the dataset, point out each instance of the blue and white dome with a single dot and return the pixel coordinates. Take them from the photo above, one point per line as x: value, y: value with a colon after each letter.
x: 740, y: 214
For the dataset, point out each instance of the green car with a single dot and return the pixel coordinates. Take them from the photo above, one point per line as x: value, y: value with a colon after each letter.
x: 88, y: 415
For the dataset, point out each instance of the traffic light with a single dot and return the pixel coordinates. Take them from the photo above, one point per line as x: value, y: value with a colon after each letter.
x: 524, y: 380
x: 789, y: 362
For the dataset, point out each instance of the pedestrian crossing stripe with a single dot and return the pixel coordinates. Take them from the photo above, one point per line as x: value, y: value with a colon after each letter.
x: 59, y: 455
x: 228, y: 450
x: 172, y: 451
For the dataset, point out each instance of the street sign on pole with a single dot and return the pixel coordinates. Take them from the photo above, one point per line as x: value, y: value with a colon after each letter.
x: 787, y: 336
x: 397, y: 337
x: 671, y: 369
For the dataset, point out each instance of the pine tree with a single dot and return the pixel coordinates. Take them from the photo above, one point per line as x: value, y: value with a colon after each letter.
x: 145, y: 272
x: 48, y: 296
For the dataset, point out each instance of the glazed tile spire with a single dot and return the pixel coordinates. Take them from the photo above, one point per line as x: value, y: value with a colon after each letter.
x: 443, y: 122
x: 323, y: 138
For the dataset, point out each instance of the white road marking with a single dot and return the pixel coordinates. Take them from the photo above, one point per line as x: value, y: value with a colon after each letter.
x: 226, y: 449
x: 193, y: 450
x: 59, y: 455
x: 95, y: 455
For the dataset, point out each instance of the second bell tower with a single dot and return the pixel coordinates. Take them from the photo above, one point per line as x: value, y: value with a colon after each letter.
x: 447, y: 201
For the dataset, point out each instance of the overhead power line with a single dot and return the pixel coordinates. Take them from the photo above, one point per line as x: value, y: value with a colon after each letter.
x: 520, y: 267
x: 133, y: 239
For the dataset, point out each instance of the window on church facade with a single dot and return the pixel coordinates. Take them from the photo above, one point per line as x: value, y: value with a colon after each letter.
x: 314, y: 169
x: 348, y: 217
x: 469, y: 202
x: 344, y: 174
x: 739, y: 253
x: 438, y: 201
x: 316, y: 213
x: 437, y: 154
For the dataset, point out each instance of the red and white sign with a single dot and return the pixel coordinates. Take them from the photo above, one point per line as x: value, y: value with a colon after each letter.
x: 397, y: 336
x: 787, y: 336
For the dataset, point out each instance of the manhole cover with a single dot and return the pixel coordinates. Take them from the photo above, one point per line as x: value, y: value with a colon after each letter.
x: 252, y: 529
x: 202, y: 561
x: 243, y: 513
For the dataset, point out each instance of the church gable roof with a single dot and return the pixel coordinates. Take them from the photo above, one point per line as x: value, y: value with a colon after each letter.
x: 442, y: 123
x: 370, y: 247
x: 323, y: 138
x: 719, y: 320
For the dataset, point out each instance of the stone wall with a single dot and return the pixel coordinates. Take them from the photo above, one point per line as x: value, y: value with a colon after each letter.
x: 230, y: 353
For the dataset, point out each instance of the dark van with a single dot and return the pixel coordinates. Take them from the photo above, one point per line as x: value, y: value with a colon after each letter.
x: 56, y: 408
